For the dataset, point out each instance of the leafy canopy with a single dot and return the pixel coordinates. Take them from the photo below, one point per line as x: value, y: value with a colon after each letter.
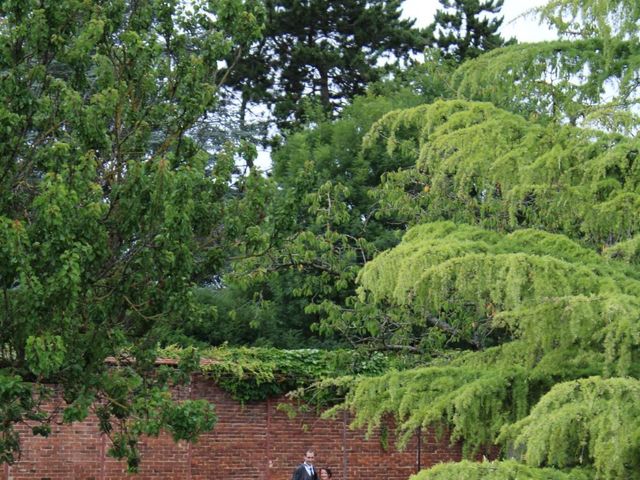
x: 110, y: 212
x: 554, y: 310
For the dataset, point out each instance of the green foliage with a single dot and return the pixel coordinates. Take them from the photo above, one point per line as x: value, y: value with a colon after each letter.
x: 312, y: 239
x: 252, y: 374
x: 315, y: 56
x: 44, y: 354
x: 480, y: 287
x: 627, y: 251
x: 110, y: 211
x: 465, y: 29
x: 129, y: 407
x: 484, y: 165
x: 558, y: 79
x: 591, y: 421
x: 593, y: 18
x: 470, y: 398
x: 519, y: 280
x: 474, y: 162
x: 16, y: 400
x: 505, y: 470
x: 323, y: 223
x: 556, y: 311
x: 587, y: 77
x: 472, y: 402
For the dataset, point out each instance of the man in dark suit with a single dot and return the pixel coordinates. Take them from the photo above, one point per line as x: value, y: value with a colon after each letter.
x: 306, y: 471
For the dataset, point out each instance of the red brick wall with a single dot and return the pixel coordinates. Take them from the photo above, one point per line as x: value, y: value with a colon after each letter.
x: 255, y: 441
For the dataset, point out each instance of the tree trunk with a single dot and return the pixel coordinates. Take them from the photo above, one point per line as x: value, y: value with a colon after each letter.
x: 324, y: 90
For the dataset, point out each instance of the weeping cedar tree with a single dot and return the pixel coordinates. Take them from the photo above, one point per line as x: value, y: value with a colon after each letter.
x: 109, y: 211
x: 547, y: 339
x: 521, y: 276
x: 320, y: 53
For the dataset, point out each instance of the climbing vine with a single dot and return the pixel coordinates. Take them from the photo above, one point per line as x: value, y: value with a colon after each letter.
x: 254, y: 374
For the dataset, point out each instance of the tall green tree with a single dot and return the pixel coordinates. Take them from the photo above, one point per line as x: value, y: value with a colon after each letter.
x: 586, y: 78
x: 464, y: 29
x: 319, y: 228
x: 110, y: 212
x: 520, y: 277
x: 324, y: 223
x: 319, y: 54
x: 551, y: 366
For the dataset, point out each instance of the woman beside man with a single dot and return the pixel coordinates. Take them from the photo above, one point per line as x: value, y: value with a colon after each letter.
x: 325, y: 473
x: 306, y: 470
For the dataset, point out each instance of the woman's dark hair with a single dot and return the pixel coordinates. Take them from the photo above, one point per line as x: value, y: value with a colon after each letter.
x: 328, y: 470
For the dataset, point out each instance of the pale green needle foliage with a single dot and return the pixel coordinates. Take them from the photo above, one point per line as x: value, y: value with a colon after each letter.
x: 508, y: 470
x: 481, y: 164
x: 588, y: 421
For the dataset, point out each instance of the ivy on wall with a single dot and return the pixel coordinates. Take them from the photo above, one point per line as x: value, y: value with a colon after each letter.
x: 254, y: 374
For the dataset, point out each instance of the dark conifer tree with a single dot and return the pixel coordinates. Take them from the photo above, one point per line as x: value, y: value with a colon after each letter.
x: 321, y: 53
x: 464, y: 29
